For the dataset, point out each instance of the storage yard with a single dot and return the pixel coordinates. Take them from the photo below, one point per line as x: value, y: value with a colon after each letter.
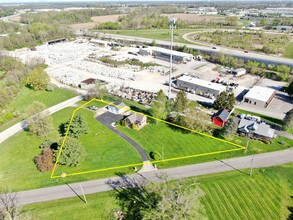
x: 138, y: 68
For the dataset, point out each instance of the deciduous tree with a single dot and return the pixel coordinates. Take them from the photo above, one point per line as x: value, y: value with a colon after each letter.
x: 179, y: 199
x: 38, y: 79
x: 159, y: 108
x: 225, y: 101
x: 39, y: 122
x: 288, y: 120
x: 181, y: 102
x: 229, y: 128
x: 44, y: 161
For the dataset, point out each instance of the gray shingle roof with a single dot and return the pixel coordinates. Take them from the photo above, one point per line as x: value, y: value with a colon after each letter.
x: 223, y: 114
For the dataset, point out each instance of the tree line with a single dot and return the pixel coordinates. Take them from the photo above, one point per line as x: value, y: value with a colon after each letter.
x: 14, y: 76
x: 65, y: 17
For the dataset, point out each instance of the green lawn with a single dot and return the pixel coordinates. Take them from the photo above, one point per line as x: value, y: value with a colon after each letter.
x: 289, y: 51
x: 171, y: 142
x: 230, y: 195
x: 27, y: 96
x: 104, y: 149
x: 18, y: 171
x: 174, y: 143
x: 156, y: 34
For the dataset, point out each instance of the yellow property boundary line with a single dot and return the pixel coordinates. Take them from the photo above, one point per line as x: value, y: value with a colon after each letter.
x: 238, y: 147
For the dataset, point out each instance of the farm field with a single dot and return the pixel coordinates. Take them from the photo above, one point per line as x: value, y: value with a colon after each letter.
x: 230, y: 195
x: 96, y: 20
x: 18, y: 171
x: 27, y: 96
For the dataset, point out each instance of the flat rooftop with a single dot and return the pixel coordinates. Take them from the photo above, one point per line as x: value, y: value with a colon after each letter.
x: 204, y: 83
x: 168, y: 51
x: 260, y: 93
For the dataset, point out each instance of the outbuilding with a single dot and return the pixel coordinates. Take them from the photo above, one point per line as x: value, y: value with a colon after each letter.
x: 85, y: 84
x: 118, y: 108
x: 200, y: 86
x: 221, y: 117
x: 100, y: 43
x: 165, y: 54
x: 239, y: 72
x: 259, y: 96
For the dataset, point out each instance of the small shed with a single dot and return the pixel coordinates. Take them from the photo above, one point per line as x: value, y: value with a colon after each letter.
x: 118, y: 108
x: 85, y: 84
x: 221, y: 117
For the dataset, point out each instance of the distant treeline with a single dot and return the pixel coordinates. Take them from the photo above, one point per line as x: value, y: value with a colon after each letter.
x: 6, y: 12
x: 65, y: 17
x: 32, y: 35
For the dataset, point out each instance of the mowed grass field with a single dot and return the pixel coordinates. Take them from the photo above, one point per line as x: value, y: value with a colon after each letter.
x: 172, y: 142
x: 232, y: 195
x: 27, y: 96
x: 104, y: 148
x: 18, y: 171
x: 156, y: 34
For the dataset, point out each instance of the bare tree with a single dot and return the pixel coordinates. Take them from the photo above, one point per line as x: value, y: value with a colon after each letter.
x: 8, y: 205
x: 142, y: 199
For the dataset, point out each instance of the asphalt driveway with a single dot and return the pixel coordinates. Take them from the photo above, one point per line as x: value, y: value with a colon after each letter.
x: 108, y: 118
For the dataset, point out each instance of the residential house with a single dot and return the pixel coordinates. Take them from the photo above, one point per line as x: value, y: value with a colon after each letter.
x: 255, y: 129
x: 135, y: 121
x: 118, y: 108
x: 220, y: 117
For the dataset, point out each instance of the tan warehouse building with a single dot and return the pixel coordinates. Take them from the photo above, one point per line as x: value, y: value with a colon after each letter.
x: 259, y: 96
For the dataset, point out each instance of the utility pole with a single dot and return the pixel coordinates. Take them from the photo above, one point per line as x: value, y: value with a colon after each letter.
x: 172, y: 26
x: 83, y: 193
x: 251, y: 165
x: 247, y: 145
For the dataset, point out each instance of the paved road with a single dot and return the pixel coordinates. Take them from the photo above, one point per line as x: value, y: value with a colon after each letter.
x: 108, y: 118
x: 101, y: 185
x: 232, y: 52
x: 4, y: 135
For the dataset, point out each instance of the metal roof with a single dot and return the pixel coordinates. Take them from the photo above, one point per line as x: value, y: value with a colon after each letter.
x: 204, y: 83
x: 223, y: 114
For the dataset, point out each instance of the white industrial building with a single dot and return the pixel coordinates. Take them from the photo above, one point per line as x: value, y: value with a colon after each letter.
x: 164, y: 54
x: 259, y: 96
x: 100, y: 43
x: 200, y: 86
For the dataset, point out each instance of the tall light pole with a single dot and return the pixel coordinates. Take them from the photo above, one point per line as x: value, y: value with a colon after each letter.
x: 172, y: 26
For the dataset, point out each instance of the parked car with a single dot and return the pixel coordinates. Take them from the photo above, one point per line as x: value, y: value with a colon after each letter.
x: 214, y: 48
